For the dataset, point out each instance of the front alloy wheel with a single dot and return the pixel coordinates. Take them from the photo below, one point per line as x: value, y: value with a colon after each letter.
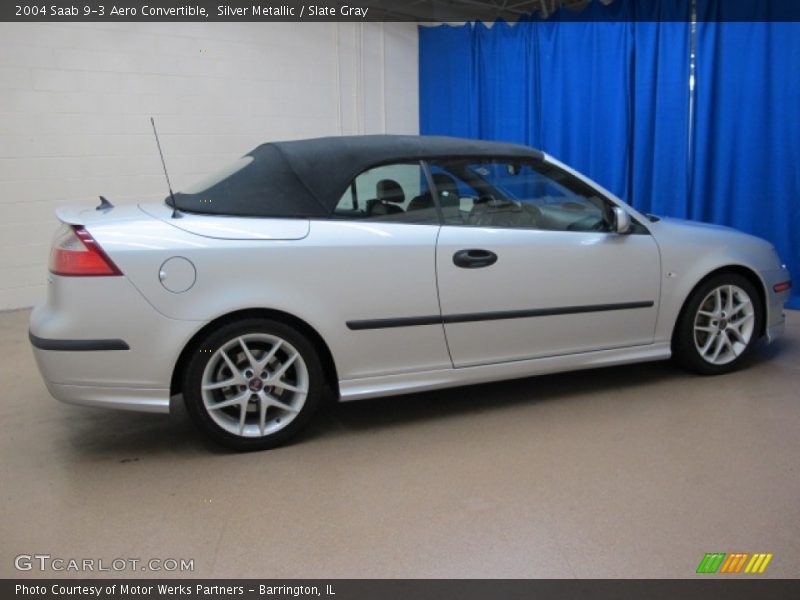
x: 723, y: 325
x: 253, y: 384
x: 719, y: 325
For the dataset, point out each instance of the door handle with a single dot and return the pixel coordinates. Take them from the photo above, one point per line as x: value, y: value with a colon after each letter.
x: 474, y: 258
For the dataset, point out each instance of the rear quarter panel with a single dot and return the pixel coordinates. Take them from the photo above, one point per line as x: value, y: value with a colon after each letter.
x: 339, y: 272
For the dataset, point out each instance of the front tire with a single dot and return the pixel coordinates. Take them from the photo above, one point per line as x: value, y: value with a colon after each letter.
x: 719, y: 326
x: 253, y: 384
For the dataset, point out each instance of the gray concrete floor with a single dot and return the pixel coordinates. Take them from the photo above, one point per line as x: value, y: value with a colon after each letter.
x: 633, y: 471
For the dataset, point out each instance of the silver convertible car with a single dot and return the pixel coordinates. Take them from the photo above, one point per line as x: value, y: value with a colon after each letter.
x: 357, y: 267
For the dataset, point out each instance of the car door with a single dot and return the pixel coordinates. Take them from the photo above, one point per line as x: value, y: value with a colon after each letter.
x: 528, y: 267
x: 378, y: 274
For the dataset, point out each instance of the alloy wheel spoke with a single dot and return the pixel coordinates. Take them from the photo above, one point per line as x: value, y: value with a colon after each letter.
x: 242, y: 416
x: 223, y: 384
x: 230, y: 402
x: 263, y: 404
x: 282, y: 405
x: 729, y: 300
x: 737, y: 335
x: 249, y: 355
x: 738, y: 308
x: 729, y: 345
x: 288, y: 387
x: 722, y: 340
x: 705, y: 328
x: 234, y: 369
x: 709, y: 342
x: 737, y: 324
x: 284, y: 367
x: 270, y: 355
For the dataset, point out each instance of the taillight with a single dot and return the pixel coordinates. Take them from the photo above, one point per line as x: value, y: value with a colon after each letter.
x: 75, y: 253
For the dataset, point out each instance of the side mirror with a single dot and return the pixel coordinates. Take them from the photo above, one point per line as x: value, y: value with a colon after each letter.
x: 622, y: 220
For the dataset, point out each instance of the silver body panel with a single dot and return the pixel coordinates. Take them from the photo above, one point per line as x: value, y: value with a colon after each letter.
x: 330, y: 272
x: 550, y: 269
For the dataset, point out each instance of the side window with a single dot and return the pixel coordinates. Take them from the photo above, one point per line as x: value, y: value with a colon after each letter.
x: 509, y: 193
x: 455, y: 195
x: 395, y: 193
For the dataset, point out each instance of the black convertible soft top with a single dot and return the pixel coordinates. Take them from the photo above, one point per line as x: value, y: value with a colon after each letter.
x: 306, y: 178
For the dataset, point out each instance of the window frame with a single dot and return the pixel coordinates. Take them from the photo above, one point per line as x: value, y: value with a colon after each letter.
x: 573, y: 182
x: 421, y: 163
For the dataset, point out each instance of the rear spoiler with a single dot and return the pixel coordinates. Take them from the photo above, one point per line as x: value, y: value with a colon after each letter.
x: 71, y: 215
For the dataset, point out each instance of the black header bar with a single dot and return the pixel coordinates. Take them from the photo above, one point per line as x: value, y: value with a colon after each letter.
x: 735, y: 588
x: 433, y: 11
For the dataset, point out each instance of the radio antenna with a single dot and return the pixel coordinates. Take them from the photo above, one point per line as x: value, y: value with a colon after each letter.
x: 175, y: 212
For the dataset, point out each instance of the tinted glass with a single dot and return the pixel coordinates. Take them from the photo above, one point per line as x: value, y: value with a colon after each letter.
x: 396, y: 193
x: 506, y: 193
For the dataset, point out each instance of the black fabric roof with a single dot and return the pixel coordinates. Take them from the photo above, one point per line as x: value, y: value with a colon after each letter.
x: 306, y: 178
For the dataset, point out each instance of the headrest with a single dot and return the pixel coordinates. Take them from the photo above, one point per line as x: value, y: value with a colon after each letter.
x: 388, y: 190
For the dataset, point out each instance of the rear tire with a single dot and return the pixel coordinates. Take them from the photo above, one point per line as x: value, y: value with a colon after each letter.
x: 719, y: 326
x: 253, y: 384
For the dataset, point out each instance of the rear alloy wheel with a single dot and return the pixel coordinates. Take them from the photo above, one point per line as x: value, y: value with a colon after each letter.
x: 719, y: 328
x: 251, y: 385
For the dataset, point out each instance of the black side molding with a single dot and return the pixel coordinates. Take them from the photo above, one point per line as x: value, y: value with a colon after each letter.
x: 401, y: 322
x: 77, y: 345
x: 542, y: 312
x: 493, y: 316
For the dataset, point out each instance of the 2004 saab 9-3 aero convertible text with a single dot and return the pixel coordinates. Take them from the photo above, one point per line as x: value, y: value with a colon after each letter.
x: 378, y: 265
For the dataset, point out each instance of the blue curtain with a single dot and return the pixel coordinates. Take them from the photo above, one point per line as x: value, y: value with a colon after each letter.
x: 660, y: 153
x: 606, y: 90
x: 585, y: 80
x: 746, y: 171
x: 447, y: 81
x: 507, y: 82
x: 511, y: 85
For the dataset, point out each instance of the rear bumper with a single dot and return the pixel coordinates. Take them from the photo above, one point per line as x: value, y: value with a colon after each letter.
x: 137, y: 399
x: 46, y: 351
x: 98, y: 342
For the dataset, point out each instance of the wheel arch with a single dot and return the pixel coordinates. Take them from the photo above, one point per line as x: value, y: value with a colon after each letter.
x: 325, y: 355
x: 748, y: 273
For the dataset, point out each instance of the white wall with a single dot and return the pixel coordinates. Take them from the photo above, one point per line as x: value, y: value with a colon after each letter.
x: 75, y: 102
